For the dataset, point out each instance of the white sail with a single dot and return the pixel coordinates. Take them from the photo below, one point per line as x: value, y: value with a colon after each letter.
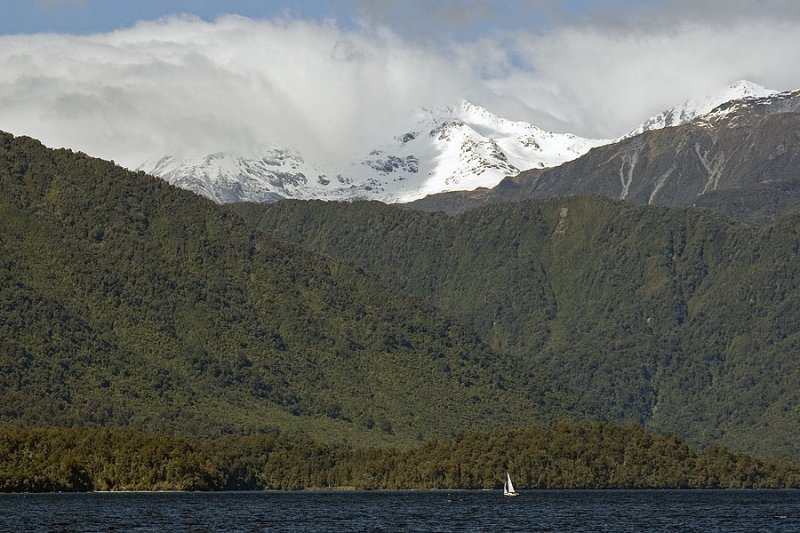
x: 508, y: 487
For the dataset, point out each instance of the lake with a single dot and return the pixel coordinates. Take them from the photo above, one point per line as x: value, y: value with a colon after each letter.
x: 575, y: 510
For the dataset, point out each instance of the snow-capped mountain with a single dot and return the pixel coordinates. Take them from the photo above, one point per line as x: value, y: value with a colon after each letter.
x: 741, y: 158
x: 276, y: 173
x: 461, y: 147
x: 691, y: 109
x: 465, y: 147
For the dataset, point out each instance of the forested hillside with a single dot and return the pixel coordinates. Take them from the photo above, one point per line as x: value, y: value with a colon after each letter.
x: 586, y: 455
x: 125, y: 301
x: 676, y: 319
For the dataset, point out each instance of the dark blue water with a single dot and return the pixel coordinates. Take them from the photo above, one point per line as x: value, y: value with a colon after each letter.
x: 728, y: 511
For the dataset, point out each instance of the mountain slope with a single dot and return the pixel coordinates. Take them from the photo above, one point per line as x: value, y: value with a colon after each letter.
x: 742, y: 147
x: 226, y: 178
x: 125, y: 301
x: 465, y: 147
x: 675, y: 319
x: 739, y: 144
x: 458, y: 148
x: 455, y: 148
x: 691, y: 109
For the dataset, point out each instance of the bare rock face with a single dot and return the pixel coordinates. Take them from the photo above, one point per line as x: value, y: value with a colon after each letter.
x: 738, y: 145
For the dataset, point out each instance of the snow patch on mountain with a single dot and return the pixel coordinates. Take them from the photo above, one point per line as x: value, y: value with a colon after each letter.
x: 691, y: 109
x: 275, y: 174
x: 465, y: 147
x: 460, y: 147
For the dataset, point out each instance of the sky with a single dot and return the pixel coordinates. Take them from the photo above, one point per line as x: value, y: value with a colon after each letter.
x: 134, y: 80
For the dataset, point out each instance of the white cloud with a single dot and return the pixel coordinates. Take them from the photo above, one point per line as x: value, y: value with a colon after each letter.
x: 182, y: 84
x: 604, y: 81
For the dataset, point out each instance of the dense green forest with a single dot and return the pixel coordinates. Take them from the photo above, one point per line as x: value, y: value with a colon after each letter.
x: 677, y: 319
x: 126, y: 301
x: 346, y: 336
x: 587, y: 455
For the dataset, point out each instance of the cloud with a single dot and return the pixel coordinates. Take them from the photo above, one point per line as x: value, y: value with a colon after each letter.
x: 601, y: 80
x: 430, y: 21
x: 184, y: 85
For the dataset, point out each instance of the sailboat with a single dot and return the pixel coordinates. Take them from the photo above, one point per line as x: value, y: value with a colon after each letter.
x: 508, y: 487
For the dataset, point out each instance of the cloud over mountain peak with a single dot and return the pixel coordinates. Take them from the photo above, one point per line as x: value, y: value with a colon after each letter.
x: 189, y: 86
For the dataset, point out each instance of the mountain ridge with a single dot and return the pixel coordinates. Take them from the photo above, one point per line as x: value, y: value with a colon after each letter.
x: 750, y: 146
x: 690, y: 109
x: 458, y: 147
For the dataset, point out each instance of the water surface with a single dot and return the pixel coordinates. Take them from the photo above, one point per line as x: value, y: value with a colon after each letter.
x: 307, y: 511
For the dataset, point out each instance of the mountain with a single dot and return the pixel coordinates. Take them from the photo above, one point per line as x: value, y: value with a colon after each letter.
x: 676, y: 319
x: 226, y: 177
x: 128, y: 302
x: 738, y: 144
x: 455, y: 148
x: 740, y: 158
x: 125, y: 301
x: 691, y: 109
x: 465, y: 147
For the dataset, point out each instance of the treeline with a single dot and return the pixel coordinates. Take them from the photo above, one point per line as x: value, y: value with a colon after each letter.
x: 584, y: 455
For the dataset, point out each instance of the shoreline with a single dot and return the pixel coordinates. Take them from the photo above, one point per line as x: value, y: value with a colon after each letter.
x: 347, y: 490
